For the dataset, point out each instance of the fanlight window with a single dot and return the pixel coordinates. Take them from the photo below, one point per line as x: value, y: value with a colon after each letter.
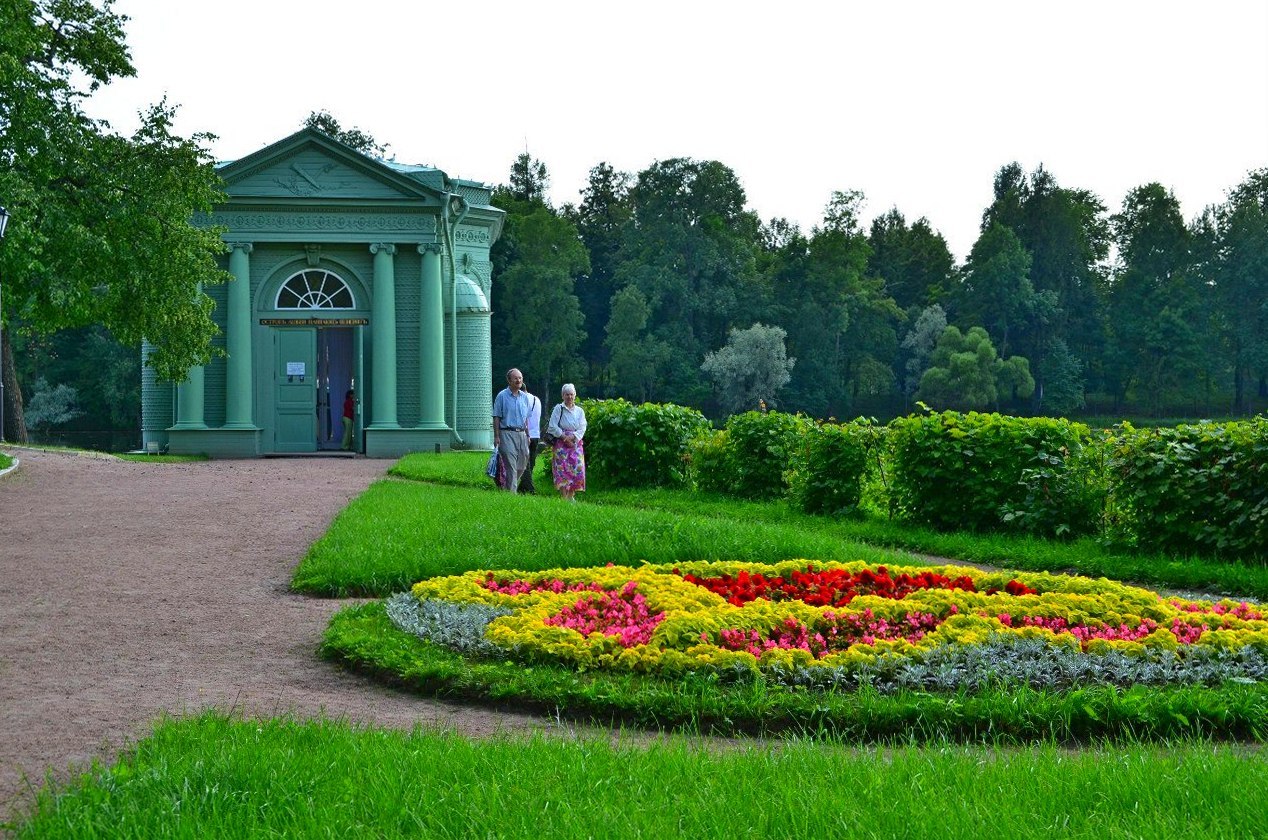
x: 315, y: 289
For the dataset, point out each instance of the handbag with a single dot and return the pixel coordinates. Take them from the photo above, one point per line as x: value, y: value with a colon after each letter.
x: 492, y: 469
x: 547, y: 437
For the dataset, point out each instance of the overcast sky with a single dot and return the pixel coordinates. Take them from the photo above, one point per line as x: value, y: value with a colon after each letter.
x: 917, y: 103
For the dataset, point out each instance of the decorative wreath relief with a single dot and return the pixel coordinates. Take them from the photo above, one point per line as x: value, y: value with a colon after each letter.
x: 842, y: 625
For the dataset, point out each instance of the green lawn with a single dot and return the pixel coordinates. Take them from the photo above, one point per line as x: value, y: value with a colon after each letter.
x: 1152, y: 762
x: 6, y: 461
x: 215, y: 777
x: 399, y: 532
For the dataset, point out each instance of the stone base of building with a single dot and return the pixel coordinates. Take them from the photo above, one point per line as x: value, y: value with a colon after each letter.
x: 215, y: 443
x: 393, y: 443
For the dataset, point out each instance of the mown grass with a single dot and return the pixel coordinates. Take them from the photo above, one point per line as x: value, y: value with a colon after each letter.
x: 399, y: 532
x: 364, y: 638
x: 213, y: 776
x: 5, y: 461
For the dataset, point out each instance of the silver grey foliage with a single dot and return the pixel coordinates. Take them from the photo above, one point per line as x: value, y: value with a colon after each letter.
x: 457, y: 626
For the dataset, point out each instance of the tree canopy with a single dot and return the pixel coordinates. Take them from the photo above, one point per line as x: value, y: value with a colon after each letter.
x: 101, y: 229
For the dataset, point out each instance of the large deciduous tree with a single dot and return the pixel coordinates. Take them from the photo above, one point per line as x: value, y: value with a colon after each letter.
x: 751, y: 369
x: 1239, y: 270
x: 1154, y: 304
x: 101, y: 229
x: 601, y: 219
x: 537, y: 322
x: 690, y: 251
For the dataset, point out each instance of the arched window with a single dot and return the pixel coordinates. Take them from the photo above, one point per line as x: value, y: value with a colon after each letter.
x: 315, y: 289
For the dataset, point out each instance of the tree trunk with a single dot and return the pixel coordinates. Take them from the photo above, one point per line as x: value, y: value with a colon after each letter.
x: 14, y: 423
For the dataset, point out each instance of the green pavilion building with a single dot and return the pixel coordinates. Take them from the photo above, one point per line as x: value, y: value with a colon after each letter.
x: 349, y: 273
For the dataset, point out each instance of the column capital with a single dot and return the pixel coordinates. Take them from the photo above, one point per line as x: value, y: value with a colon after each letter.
x: 244, y: 247
x: 429, y: 248
x: 383, y: 248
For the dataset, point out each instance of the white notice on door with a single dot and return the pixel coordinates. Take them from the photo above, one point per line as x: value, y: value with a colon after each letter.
x: 294, y: 368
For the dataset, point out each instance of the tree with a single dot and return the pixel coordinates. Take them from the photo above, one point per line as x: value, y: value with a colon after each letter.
x: 914, y: 263
x: 690, y: 250
x: 354, y: 137
x: 1154, y: 304
x: 996, y: 291
x: 1239, y: 271
x: 1066, y: 235
x: 102, y: 228
x: 51, y: 405
x: 965, y: 372
x: 637, y: 358
x: 919, y: 343
x: 544, y: 329
x: 1063, y: 380
x: 751, y: 369
x: 601, y: 220
x: 529, y: 180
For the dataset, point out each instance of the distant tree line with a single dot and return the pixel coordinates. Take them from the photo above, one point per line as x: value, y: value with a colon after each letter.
x: 660, y: 285
x: 663, y: 286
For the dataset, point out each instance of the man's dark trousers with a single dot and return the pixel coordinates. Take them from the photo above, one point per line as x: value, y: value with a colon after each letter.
x: 526, y: 482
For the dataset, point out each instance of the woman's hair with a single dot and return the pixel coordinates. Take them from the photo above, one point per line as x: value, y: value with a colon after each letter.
x: 568, y: 388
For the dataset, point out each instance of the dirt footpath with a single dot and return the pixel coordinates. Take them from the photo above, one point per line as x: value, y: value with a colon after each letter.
x: 129, y: 589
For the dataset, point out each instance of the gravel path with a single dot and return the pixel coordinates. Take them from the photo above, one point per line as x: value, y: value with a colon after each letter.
x: 128, y: 590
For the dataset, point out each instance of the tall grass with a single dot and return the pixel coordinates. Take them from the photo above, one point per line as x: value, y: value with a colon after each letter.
x: 1086, y: 557
x: 398, y: 532
x: 211, y: 776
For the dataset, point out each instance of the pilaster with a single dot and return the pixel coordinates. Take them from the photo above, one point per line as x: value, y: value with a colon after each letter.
x: 238, y: 390
x: 383, y: 332
x: 431, y: 333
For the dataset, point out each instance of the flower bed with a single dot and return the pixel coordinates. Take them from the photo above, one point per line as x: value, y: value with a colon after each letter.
x: 842, y: 624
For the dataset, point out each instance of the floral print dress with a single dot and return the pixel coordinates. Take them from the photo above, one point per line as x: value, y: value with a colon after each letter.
x: 568, y: 466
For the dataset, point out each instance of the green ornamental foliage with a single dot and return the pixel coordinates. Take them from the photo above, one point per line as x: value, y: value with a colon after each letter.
x: 830, y: 465
x: 987, y: 472
x: 644, y: 445
x: 710, y: 463
x: 761, y: 447
x: 1198, y: 488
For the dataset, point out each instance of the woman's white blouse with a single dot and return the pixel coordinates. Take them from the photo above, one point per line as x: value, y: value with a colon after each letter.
x: 567, y: 420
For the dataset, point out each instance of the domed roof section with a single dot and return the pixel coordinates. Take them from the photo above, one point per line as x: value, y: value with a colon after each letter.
x: 470, y: 296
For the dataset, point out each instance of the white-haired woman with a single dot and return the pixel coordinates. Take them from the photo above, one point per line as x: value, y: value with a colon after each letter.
x: 568, y: 427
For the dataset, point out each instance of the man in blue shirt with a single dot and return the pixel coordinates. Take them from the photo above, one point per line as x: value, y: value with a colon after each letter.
x: 511, y: 412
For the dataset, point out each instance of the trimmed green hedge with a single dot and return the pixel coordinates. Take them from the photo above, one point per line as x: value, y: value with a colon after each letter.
x: 644, y: 445
x: 1199, y: 488
x: 985, y: 472
x: 833, y: 458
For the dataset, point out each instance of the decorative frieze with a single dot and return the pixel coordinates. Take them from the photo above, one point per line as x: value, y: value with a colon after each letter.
x: 476, y: 236
x: 324, y: 221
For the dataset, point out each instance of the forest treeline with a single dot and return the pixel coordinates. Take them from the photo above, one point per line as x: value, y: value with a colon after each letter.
x: 662, y: 285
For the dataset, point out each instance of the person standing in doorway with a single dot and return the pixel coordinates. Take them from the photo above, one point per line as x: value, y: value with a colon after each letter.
x: 534, y: 438
x: 349, y: 418
x: 511, y: 409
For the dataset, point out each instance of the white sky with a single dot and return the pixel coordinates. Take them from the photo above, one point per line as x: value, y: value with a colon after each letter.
x: 917, y: 103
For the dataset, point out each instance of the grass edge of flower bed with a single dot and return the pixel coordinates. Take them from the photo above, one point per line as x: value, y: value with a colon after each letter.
x: 363, y: 638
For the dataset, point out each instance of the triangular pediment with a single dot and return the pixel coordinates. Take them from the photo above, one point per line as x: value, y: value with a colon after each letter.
x: 309, y: 165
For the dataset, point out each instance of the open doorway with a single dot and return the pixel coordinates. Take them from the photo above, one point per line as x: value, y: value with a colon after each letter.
x: 336, y: 375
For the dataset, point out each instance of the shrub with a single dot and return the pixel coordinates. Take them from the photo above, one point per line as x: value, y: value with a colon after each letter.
x: 761, y: 447
x: 710, y: 464
x: 1195, y: 488
x: 986, y: 472
x: 830, y: 465
x: 644, y: 445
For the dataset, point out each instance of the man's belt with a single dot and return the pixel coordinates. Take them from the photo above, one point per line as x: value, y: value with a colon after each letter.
x: 514, y: 429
